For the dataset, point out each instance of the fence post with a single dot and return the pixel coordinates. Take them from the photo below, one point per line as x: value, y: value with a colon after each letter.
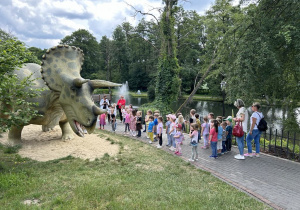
x: 294, y: 146
x: 287, y: 145
x: 270, y: 138
x: 275, y: 142
x: 281, y: 143
x: 265, y: 140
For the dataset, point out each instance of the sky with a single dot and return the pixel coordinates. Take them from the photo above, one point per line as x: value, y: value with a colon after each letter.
x: 43, y: 23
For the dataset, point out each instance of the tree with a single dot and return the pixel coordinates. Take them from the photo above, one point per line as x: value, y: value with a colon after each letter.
x: 167, y: 80
x: 15, y: 109
x: 88, y: 43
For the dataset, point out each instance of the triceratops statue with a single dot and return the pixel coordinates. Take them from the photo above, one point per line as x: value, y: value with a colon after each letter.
x: 67, y: 97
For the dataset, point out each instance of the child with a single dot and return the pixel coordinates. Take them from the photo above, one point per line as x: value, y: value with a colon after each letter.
x: 172, y: 132
x: 113, y: 122
x: 156, y: 115
x: 224, y: 124
x: 181, y: 122
x: 124, y: 112
x: 102, y: 120
x: 159, y: 131
x: 205, y: 132
x: 149, y: 113
x: 150, y: 129
x: 194, y: 142
x: 192, y: 117
x: 211, y: 116
x: 127, y: 120
x: 139, y: 126
x: 108, y: 113
x: 168, y: 123
x: 130, y: 107
x: 213, y: 138
x: 132, y: 124
x: 228, y: 133
x: 178, y: 139
x: 199, y: 126
x: 220, y: 133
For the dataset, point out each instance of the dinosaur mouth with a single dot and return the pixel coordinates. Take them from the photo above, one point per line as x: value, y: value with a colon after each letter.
x: 80, y: 130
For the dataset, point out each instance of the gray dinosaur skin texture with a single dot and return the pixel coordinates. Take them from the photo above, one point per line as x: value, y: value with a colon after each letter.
x: 67, y: 97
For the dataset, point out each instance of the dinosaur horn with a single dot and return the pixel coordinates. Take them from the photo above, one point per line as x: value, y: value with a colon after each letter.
x: 102, y: 83
x: 98, y: 111
x: 78, y: 82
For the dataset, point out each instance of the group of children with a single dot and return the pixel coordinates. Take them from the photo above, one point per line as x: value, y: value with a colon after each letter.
x: 216, y: 133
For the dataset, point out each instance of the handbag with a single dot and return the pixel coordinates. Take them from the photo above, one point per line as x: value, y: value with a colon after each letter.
x: 238, y: 130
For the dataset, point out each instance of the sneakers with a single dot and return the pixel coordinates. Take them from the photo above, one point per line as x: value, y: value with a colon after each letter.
x: 213, y: 156
x: 150, y: 142
x: 158, y: 146
x: 257, y: 155
x: 191, y: 160
x: 148, y: 137
x: 239, y: 157
x: 249, y: 155
x: 203, y: 147
x: 172, y: 148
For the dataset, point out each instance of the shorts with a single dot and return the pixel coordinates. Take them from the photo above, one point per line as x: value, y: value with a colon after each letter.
x: 219, y: 144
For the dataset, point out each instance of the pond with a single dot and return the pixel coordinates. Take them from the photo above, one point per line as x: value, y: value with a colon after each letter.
x: 273, y: 115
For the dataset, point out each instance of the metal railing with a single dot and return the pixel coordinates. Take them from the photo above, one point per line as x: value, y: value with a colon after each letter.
x: 281, y: 144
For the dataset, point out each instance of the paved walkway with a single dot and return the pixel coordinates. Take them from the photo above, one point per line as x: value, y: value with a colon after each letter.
x: 272, y: 180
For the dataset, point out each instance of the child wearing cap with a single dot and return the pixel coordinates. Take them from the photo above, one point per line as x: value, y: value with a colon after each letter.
x: 178, y: 139
x: 228, y: 133
x: 199, y: 126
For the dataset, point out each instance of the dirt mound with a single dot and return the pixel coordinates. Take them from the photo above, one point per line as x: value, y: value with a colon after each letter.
x: 44, y: 146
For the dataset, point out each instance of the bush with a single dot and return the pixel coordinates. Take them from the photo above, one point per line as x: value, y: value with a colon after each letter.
x: 101, y: 91
x: 151, y: 93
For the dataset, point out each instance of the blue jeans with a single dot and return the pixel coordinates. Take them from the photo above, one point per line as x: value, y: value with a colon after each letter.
x: 224, y: 146
x: 169, y: 139
x: 172, y: 141
x: 256, y: 136
x: 240, y: 143
x: 214, y: 148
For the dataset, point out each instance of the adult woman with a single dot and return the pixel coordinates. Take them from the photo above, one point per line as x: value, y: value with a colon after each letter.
x: 121, y: 102
x: 254, y: 133
x: 104, y: 103
x: 241, y: 116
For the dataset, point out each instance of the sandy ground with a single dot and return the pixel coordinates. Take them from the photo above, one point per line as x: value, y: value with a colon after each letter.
x: 44, y: 146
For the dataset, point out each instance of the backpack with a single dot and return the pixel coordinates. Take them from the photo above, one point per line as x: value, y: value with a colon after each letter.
x: 262, y: 125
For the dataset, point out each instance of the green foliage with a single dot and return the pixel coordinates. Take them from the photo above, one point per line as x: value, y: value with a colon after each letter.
x: 151, y: 93
x: 101, y: 91
x: 15, y: 109
x: 11, y: 149
x: 88, y: 43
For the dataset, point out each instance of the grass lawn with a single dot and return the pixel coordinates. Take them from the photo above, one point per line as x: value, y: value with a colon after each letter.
x: 139, y: 177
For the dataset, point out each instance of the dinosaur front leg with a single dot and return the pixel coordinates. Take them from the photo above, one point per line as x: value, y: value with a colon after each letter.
x: 14, y: 135
x: 67, y: 132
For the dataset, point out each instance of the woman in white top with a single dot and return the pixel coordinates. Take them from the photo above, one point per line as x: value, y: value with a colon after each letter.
x: 254, y: 133
x: 241, y: 116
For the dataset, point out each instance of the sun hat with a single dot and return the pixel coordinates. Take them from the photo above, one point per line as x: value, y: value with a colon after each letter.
x: 172, y: 116
x: 229, y: 118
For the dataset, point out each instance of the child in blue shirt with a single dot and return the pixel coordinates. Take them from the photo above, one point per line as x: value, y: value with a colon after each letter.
x: 156, y: 115
x: 228, y: 133
x: 150, y: 129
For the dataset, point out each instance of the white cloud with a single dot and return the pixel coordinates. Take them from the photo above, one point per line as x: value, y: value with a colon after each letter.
x: 43, y: 23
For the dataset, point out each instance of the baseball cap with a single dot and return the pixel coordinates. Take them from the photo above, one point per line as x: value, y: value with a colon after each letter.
x: 179, y: 126
x: 229, y: 118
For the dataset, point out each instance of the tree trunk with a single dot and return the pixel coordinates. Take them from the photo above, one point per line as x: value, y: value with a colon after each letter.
x: 197, y: 86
